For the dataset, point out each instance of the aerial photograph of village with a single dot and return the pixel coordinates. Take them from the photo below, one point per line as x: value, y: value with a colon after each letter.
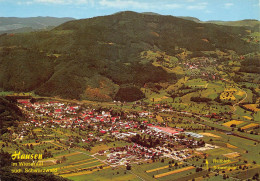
x: 129, y: 90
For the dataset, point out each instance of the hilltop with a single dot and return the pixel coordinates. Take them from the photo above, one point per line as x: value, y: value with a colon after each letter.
x: 105, y: 58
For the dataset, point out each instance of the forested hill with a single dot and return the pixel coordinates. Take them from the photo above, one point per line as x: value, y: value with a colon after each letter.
x: 102, y: 58
x: 10, y: 115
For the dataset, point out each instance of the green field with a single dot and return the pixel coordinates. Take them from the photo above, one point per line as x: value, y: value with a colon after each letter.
x: 118, y: 174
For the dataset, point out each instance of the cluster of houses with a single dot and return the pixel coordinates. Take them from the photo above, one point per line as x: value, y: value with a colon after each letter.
x: 124, y: 135
x: 130, y: 153
x: 56, y: 110
x: 73, y: 116
x: 136, y: 153
x: 170, y: 142
x: 202, y: 62
x: 165, y: 133
x: 174, y: 154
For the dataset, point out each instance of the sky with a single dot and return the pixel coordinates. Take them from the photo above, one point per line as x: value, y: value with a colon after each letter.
x: 205, y: 10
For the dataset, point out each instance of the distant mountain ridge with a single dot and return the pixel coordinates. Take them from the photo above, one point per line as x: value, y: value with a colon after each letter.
x: 29, y: 24
x: 246, y: 22
x: 17, y: 25
x: 253, y: 23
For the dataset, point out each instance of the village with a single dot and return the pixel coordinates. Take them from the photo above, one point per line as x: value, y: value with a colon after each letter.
x: 146, y: 140
x: 81, y: 139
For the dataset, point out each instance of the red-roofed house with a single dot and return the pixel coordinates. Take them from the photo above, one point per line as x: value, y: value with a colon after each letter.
x: 103, y: 131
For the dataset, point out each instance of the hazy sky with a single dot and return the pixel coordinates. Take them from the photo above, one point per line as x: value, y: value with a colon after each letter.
x: 202, y: 9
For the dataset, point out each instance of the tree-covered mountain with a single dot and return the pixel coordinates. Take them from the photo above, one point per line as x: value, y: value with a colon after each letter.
x: 101, y: 58
x: 10, y: 115
x: 18, y: 25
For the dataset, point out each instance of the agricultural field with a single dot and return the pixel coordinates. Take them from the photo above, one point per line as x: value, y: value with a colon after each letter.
x: 233, y: 122
x: 107, y: 174
x: 249, y: 126
x: 173, y: 172
x: 252, y: 107
x: 69, y: 163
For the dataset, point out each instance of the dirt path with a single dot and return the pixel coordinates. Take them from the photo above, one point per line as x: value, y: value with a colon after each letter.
x: 234, y: 106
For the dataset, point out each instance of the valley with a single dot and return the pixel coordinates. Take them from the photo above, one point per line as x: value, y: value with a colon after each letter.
x: 131, y: 96
x: 121, y: 140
